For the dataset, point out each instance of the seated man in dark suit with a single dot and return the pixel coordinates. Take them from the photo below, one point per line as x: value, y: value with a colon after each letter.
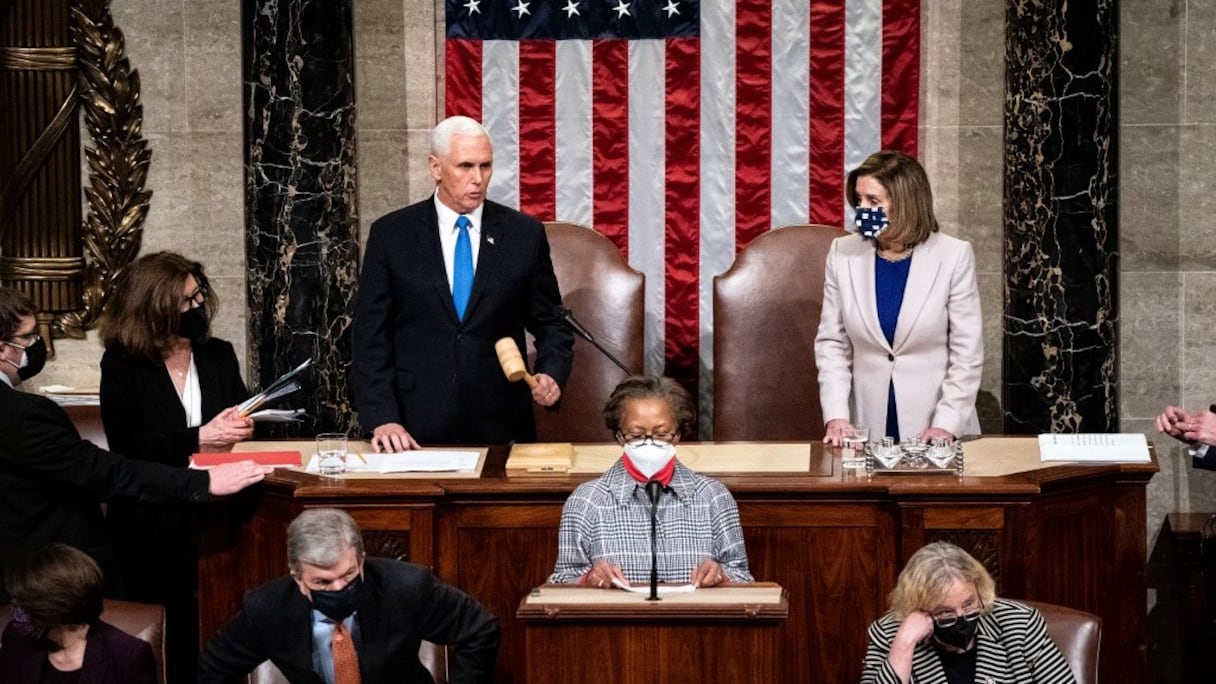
x: 1196, y: 428
x: 341, y: 617
x: 53, y: 481
x: 442, y: 281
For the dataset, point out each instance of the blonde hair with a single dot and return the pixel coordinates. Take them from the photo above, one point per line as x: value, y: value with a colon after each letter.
x: 907, y: 186
x: 930, y: 572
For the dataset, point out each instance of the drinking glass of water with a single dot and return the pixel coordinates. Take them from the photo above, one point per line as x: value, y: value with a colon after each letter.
x: 331, y: 453
x: 853, y: 447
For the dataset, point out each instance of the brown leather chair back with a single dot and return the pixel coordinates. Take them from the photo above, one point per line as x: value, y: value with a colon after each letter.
x: 1077, y: 634
x: 143, y: 620
x: 605, y: 295
x: 433, y: 656
x: 766, y: 314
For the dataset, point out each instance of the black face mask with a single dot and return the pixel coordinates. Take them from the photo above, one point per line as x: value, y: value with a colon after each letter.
x: 35, y: 355
x: 958, y: 635
x: 338, y: 605
x: 193, y: 323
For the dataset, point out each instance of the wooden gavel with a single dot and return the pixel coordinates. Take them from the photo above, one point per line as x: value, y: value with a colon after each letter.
x: 512, y: 362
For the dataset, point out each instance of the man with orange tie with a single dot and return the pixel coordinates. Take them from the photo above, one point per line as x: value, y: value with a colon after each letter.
x: 343, y: 618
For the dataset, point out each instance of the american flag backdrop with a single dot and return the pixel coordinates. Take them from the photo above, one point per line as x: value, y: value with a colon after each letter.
x: 682, y: 129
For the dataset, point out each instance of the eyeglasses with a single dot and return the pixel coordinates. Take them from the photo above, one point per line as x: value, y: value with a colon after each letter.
x: 196, y: 298
x: 949, y: 619
x: 637, y: 439
x: 33, y: 338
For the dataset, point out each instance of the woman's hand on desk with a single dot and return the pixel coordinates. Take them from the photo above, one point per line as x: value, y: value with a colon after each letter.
x: 929, y: 434
x: 392, y: 438
x: 708, y: 574
x: 224, y: 430
x: 602, y: 573
x: 834, y: 431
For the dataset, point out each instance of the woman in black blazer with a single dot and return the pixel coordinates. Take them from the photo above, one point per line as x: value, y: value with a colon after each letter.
x: 168, y: 390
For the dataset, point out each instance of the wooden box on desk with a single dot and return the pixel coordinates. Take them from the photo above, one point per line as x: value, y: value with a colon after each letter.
x: 582, y: 634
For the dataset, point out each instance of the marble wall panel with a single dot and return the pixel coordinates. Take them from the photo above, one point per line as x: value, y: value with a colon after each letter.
x: 301, y: 225
x: 1061, y: 223
x: 964, y: 164
x: 423, y: 55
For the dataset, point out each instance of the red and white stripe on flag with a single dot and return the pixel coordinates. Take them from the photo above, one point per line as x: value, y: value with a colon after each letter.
x: 681, y: 130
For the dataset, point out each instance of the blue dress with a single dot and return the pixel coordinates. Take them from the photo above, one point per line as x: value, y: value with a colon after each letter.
x: 890, y: 281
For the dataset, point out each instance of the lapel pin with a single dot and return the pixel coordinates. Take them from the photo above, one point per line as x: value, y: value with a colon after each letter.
x: 490, y: 239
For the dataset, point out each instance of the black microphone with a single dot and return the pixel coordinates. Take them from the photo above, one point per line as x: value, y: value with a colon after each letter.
x: 567, y: 317
x: 653, y: 489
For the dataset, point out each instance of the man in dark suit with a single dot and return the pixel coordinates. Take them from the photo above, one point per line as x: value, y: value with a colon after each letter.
x: 442, y: 281
x: 52, y: 480
x: 340, y: 616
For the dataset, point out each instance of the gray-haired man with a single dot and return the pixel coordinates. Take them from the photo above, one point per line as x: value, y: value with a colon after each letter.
x: 338, y: 607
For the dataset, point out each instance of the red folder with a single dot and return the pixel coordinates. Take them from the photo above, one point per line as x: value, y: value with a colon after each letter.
x: 271, y: 458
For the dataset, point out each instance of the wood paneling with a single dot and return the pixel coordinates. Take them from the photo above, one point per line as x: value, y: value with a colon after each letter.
x: 1072, y: 535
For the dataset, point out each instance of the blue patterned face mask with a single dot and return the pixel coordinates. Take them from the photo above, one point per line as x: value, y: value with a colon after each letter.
x: 871, y: 221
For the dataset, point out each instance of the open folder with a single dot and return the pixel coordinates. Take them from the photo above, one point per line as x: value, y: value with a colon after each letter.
x: 282, y: 386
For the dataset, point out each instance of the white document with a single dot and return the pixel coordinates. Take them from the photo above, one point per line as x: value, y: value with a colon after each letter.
x: 421, y: 461
x: 663, y: 588
x: 1094, y: 447
x: 276, y: 416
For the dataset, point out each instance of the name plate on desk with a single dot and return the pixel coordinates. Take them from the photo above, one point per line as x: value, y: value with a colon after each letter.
x: 760, y: 600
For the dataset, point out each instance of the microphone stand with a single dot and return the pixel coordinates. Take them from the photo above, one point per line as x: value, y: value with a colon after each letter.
x: 653, y: 489
x: 567, y: 317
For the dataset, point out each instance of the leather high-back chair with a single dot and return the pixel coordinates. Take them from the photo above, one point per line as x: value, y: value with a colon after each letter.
x: 766, y: 314
x: 1077, y: 634
x: 605, y: 296
x: 145, y: 621
x: 433, y: 656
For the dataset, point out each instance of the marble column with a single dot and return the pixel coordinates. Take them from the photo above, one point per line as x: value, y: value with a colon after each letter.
x: 302, y: 232
x: 1060, y: 217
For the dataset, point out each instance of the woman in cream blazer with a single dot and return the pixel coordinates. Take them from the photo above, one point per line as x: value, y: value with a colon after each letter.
x: 934, y: 358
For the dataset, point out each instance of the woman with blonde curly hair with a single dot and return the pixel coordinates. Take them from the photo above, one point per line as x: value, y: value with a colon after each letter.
x: 947, y: 626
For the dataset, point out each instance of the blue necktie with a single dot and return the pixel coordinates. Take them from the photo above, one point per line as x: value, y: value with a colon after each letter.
x: 462, y: 268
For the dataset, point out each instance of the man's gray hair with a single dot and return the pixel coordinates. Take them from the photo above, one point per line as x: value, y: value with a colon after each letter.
x: 320, y: 536
x: 441, y: 136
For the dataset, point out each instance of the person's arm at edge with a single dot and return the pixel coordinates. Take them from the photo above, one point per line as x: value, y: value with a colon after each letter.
x: 554, y: 341
x: 876, y: 667
x: 833, y: 349
x: 965, y: 351
x: 730, y: 551
x: 233, y: 652
x: 451, y: 617
x: 372, y: 370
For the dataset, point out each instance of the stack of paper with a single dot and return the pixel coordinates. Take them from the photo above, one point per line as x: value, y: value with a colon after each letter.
x: 281, y: 387
x: 1094, y: 447
x: 71, y: 396
x: 418, y: 461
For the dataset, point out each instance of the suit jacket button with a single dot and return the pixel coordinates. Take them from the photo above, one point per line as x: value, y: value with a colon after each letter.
x: 890, y: 357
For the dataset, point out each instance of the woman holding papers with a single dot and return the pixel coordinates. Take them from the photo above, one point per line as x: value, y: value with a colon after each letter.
x: 946, y: 625
x: 899, y: 347
x: 604, y: 538
x: 168, y: 390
